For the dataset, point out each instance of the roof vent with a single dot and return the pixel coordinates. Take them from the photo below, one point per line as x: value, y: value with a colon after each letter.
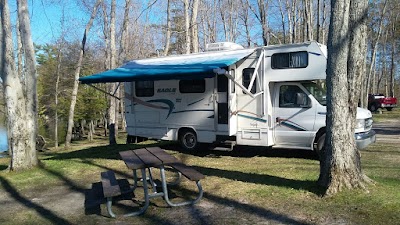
x: 220, y: 46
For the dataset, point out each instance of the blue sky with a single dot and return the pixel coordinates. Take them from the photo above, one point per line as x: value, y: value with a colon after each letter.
x: 46, y: 19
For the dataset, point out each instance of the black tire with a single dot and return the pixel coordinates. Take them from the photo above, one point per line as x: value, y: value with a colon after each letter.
x: 320, y: 145
x: 188, y: 140
x: 373, y: 108
x: 389, y: 108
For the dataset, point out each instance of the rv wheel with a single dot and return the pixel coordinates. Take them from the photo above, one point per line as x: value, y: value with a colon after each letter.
x: 188, y: 140
x: 320, y: 145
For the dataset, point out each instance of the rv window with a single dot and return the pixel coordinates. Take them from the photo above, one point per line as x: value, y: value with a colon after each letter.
x: 291, y: 96
x: 247, y: 75
x: 289, y: 60
x: 192, y: 86
x: 144, y: 88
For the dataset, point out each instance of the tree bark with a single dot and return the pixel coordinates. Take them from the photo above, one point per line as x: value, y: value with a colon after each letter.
x: 340, y: 163
x: 77, y: 73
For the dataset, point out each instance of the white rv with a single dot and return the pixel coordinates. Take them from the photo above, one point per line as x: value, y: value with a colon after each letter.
x: 267, y: 96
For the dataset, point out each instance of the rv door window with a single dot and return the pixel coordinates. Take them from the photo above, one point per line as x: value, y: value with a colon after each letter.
x: 192, y: 86
x: 247, y: 75
x: 289, y: 60
x: 144, y: 88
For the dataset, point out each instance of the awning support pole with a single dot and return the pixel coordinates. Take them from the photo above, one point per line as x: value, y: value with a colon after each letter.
x: 105, y: 92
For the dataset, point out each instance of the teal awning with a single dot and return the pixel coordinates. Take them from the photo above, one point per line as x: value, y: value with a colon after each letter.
x: 191, y: 66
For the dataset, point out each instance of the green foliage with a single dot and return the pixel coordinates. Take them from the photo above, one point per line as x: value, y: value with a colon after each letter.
x: 59, y: 60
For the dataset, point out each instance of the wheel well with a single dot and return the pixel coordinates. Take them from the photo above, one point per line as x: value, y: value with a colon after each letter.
x: 183, y: 129
x: 320, y: 132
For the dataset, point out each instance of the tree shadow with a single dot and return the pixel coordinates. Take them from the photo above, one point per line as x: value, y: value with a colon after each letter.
x: 45, y: 213
x: 247, y: 152
x: 3, y: 167
x: 309, y: 185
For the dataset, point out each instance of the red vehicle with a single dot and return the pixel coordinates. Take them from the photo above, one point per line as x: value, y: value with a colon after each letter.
x: 376, y: 101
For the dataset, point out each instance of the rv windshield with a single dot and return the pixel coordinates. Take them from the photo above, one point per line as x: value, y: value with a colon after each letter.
x: 318, y: 90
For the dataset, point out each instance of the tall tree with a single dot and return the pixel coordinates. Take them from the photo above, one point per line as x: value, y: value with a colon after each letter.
x: 21, y: 105
x: 76, y: 75
x: 112, y: 110
x: 340, y: 162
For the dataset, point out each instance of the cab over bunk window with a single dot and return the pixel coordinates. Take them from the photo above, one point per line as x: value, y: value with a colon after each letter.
x: 289, y: 60
x: 192, y: 86
x: 144, y: 88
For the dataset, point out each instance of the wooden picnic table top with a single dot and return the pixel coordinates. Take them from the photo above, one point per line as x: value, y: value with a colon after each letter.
x: 147, y: 157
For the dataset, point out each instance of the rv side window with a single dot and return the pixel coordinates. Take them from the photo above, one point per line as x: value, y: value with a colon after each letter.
x: 291, y: 96
x: 144, y: 88
x: 289, y: 60
x: 247, y: 75
x: 192, y: 86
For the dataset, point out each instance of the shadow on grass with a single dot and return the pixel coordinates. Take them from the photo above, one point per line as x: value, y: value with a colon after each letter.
x: 3, y: 167
x: 264, y: 179
x: 45, y: 213
x: 248, y: 152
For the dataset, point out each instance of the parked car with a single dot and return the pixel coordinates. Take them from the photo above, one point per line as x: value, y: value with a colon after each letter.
x: 376, y: 101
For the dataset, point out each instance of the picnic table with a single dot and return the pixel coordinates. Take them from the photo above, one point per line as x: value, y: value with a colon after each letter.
x: 145, y: 159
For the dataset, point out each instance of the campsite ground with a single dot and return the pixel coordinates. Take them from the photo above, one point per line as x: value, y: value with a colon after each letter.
x: 245, y: 186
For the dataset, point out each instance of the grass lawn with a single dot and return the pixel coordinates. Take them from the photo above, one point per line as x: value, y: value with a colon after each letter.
x: 246, y: 186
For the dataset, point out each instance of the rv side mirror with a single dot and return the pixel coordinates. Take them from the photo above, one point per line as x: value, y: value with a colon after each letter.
x: 302, y: 100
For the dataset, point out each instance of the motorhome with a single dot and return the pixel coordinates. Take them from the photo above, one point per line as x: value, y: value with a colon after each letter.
x: 267, y: 96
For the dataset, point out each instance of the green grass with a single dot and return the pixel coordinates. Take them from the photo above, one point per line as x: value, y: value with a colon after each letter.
x: 253, y: 181
x: 386, y: 115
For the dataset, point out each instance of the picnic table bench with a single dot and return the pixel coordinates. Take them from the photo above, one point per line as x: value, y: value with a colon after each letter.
x: 145, y: 159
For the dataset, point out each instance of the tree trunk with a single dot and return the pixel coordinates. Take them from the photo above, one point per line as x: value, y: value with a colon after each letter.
x: 58, y: 71
x: 168, y: 32
x: 20, y: 127
x: 30, y: 81
x: 112, y: 117
x: 124, y: 34
x: 187, y: 26
x: 371, y: 72
x: 77, y: 73
x: 340, y: 162
x: 194, y: 27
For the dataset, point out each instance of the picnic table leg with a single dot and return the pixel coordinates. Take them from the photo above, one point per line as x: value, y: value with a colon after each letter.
x: 146, y: 196
x: 134, y: 180
x: 109, y: 205
x: 165, y: 190
x: 153, y: 184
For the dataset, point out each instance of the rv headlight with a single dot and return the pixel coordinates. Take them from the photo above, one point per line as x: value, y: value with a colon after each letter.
x: 360, y: 124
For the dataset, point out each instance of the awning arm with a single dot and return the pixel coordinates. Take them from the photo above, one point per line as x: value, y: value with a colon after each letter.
x: 105, y: 92
x: 230, y: 77
x: 255, y: 74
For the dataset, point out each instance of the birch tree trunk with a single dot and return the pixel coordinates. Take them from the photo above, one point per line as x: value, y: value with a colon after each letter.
x: 340, y: 162
x: 21, y: 129
x: 77, y: 73
x: 187, y: 26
